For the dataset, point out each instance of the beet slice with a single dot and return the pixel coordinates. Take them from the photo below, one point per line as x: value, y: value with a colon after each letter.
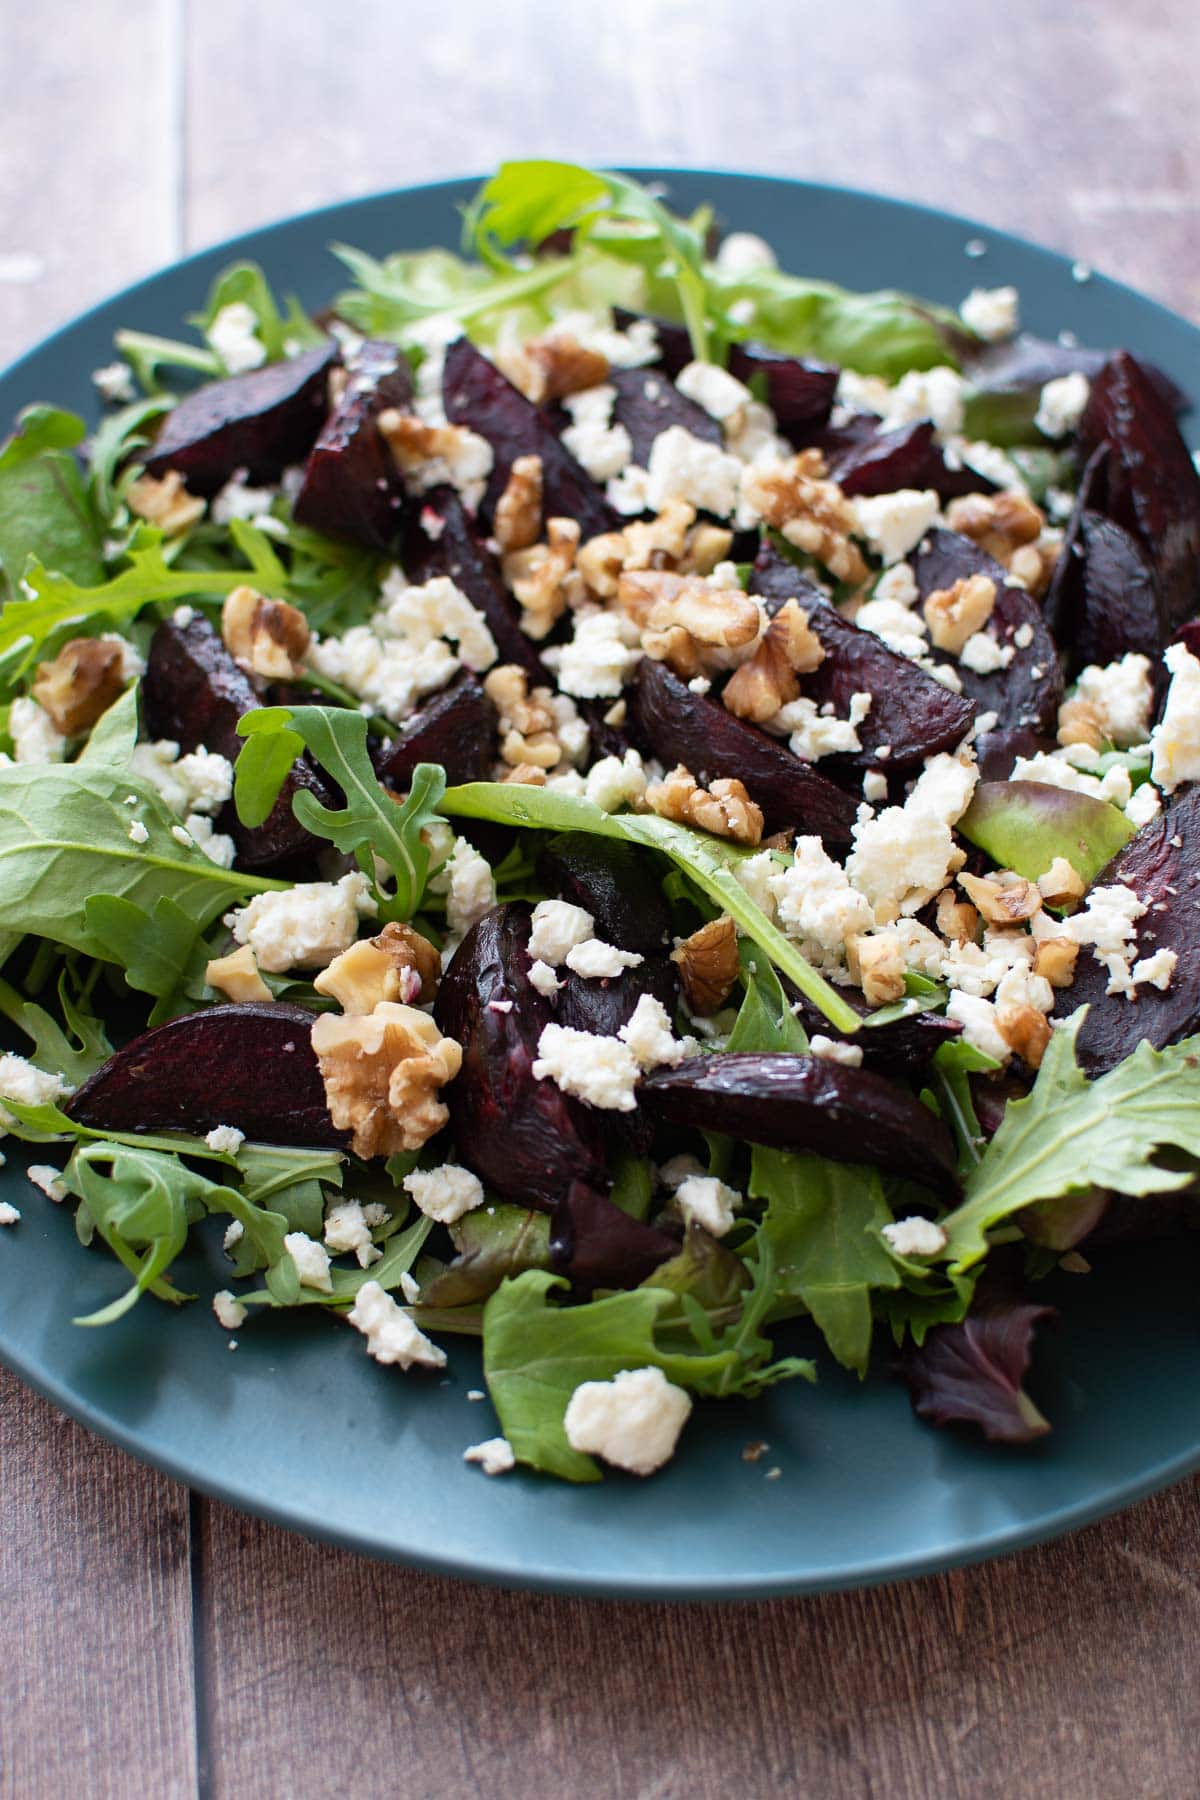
x: 1166, y: 875
x: 1027, y: 693
x: 674, y: 344
x: 441, y: 540
x: 910, y: 711
x: 194, y: 693
x: 908, y: 456
x: 478, y: 396
x: 599, y: 1246
x: 250, y: 1066
x: 806, y: 1103
x: 525, y: 1138
x: 799, y: 391
x: 602, y: 1006
x: 457, y: 729
x: 648, y: 403
x: 351, y: 485
x: 902, y: 1048
x: 259, y: 422
x: 615, y: 883
x: 1150, y: 485
x: 1104, y: 600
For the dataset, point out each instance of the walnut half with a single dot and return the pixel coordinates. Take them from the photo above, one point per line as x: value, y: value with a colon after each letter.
x: 80, y: 684
x: 789, y: 648
x: 267, y: 637
x: 708, y: 965
x: 724, y: 807
x: 399, y: 964
x: 382, y: 1071
x: 681, y: 618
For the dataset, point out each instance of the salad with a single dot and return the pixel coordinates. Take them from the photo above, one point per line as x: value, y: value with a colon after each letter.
x: 606, y: 797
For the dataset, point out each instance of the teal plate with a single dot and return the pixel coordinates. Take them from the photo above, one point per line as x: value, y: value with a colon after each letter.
x: 298, y: 1425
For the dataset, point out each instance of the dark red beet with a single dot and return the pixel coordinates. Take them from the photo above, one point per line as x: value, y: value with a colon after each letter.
x: 906, y: 457
x: 1104, y: 600
x: 351, y: 487
x: 647, y: 403
x: 260, y: 422
x: 997, y: 751
x: 456, y: 728
x: 1150, y: 483
x: 799, y: 392
x: 1189, y: 636
x: 1027, y: 693
x: 1167, y: 876
x: 603, y: 1005
x: 526, y: 1139
x: 1024, y: 364
x: 615, y: 883
x: 900, y: 1049
x: 599, y: 1246
x: 194, y: 693
x: 250, y: 1066
x: 678, y: 726
x: 440, y: 539
x: 806, y: 1103
x: 911, y: 711
x: 478, y: 396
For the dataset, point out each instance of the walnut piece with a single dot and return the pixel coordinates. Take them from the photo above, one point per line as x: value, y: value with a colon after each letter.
x: 525, y: 775
x: 1000, y: 901
x: 542, y: 577
x: 956, y: 613
x: 811, y: 512
x: 724, y: 808
x: 1055, y: 958
x: 518, y: 515
x: 708, y: 965
x: 527, y: 734
x: 681, y: 618
x: 237, y: 977
x: 551, y: 367
x: 877, y: 965
x: 382, y: 1071
x: 267, y: 637
x: 164, y: 501
x: 957, y: 919
x: 399, y: 964
x: 1079, y: 723
x: 80, y: 684
x: 413, y: 443
x: 788, y: 648
x: 1025, y: 1030
x: 1011, y: 528
x: 670, y: 540
x: 1061, y: 884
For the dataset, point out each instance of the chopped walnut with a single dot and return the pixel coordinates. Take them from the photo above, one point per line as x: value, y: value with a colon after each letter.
x: 237, y: 977
x: 543, y: 577
x: 268, y: 637
x: 551, y: 367
x: 708, y: 965
x: 1079, y: 723
x: 812, y: 513
x: 877, y: 965
x: 413, y: 443
x: 957, y: 919
x: 80, y: 684
x: 1025, y: 1030
x: 527, y: 734
x: 1012, y: 529
x: 1002, y: 902
x: 525, y: 775
x: 518, y: 516
x: 399, y: 964
x: 659, y: 543
x: 1055, y: 958
x: 705, y: 546
x: 1034, y: 564
x: 164, y: 501
x: 789, y: 648
x: 956, y: 613
x: 680, y: 618
x: 382, y: 1071
x: 1061, y: 884
x: 724, y: 807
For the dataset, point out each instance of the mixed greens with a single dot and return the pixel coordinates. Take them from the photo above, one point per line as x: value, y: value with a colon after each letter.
x: 607, y: 797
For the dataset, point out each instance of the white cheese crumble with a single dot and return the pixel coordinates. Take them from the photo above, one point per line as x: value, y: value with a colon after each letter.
x: 915, y: 1236
x: 647, y: 1033
x: 390, y: 1333
x: 904, y: 854
x: 543, y: 979
x: 216, y: 845
x: 233, y: 335
x: 311, y: 1260
x: 36, y: 739
x: 1145, y: 803
x: 495, y: 1455
x: 1054, y: 769
x: 600, y: 1070
x: 602, y: 448
x: 558, y: 927
x: 1175, y: 740
x: 934, y: 394
x: 49, y: 1179
x: 472, y: 889
x: 595, y: 960
x: 138, y: 833
x: 991, y: 313
x: 684, y: 467
x: 1061, y: 405
x: 980, y: 1029
x: 894, y: 524
x: 815, y: 902
x: 347, y: 1230
x: 235, y: 1231
x: 9, y: 1215
x: 616, y: 781
x: 114, y: 382
x: 983, y: 654
x: 445, y: 1193
x: 237, y: 500
x: 1107, y: 924
x: 902, y: 630
x: 230, y: 1312
x: 814, y: 733
x: 705, y: 1201
x: 226, y: 1139
x: 1156, y: 971
x: 721, y: 395
x: 305, y: 926
x: 404, y: 652
x: 742, y: 252
x: 599, y: 658
x: 835, y: 1050
x: 1123, y: 696
x: 200, y: 782
x: 632, y: 1421
x: 874, y: 787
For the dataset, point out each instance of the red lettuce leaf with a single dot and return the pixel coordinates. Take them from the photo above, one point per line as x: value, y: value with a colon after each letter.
x: 972, y: 1373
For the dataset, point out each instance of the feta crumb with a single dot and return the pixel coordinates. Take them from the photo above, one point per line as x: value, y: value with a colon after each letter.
x: 409, y: 1288
x: 1175, y: 740
x: 183, y: 616
x: 632, y: 1421
x: 721, y: 395
x: 494, y: 1454
x: 1145, y: 803
x: 616, y: 781
x: 902, y: 630
x: 647, y: 1033
x: 311, y: 1260
x: 233, y: 335
x: 983, y: 654
x: 915, y: 1236
x: 557, y: 928
x: 1107, y: 924
x: 305, y: 926
x: 236, y: 500
x: 815, y: 733
x: 235, y: 1231
x: 742, y: 252
x: 1023, y: 636
x: 978, y: 1020
x: 472, y: 889
x: 705, y: 1201
x: 138, y: 833
x: 599, y: 658
x: 991, y: 313
x: 1123, y: 696
x: 684, y: 467
x: 594, y: 960
x: 35, y: 737
x: 444, y: 1193
x: 200, y: 782
x: 815, y: 902
x: 9, y: 1215
x: 390, y: 1333
x: 114, y: 382
x: 605, y: 450
x: 904, y: 855
x: 1156, y: 970
x: 894, y: 524
x: 229, y: 1311
x: 835, y: 1050
x: 934, y: 394
x: 226, y: 1139
x: 476, y: 1394
x: 346, y: 1230
x: 27, y: 1085
x: 543, y: 979
x: 603, y: 1071
x: 1061, y: 405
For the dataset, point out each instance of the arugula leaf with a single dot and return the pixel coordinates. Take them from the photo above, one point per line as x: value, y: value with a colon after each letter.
x: 161, y: 952
x: 283, y: 1287
x: 1070, y: 1133
x: 394, y: 294
x: 708, y: 861
x: 44, y: 510
x: 53, y: 1049
x: 114, y: 735
x: 147, y: 353
x: 952, y: 1064
x: 883, y: 333
x: 245, y: 284
x: 263, y: 765
x: 114, y: 440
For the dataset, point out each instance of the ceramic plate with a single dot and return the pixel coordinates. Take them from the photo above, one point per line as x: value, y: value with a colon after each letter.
x: 300, y: 1426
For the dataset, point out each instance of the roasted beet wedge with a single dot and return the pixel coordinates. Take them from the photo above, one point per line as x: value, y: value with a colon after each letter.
x: 526, y: 1139
x: 1104, y: 600
x: 615, y: 883
x: 901, y: 1049
x: 1162, y: 866
x: 456, y: 728
x: 260, y: 422
x: 671, y: 722
x: 799, y: 392
x: 1026, y: 694
x: 603, y: 1005
x: 1150, y: 484
x: 599, y: 1246
x: 478, y: 396
x: 440, y: 539
x: 806, y: 1103
x: 351, y: 488
x: 908, y: 456
x: 647, y: 403
x: 911, y: 711
x: 194, y: 693
x: 251, y: 1066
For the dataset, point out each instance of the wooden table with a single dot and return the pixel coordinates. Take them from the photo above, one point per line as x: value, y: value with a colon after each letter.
x: 154, y: 1644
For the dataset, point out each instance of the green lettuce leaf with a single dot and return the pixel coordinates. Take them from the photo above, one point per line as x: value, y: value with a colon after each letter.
x: 1024, y: 825
x: 44, y: 507
x: 393, y: 295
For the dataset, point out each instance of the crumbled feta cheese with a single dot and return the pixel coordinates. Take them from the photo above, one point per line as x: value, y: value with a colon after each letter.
x: 897, y: 584
x: 714, y: 389
x: 1123, y: 696
x: 1107, y: 924
x: 751, y: 435
x: 894, y: 524
x: 346, y: 1230
x: 435, y: 609
x: 557, y: 928
x: 815, y: 902
x: 874, y: 786
x: 49, y: 1179
x: 1156, y: 970
x: 1055, y: 769
x: 114, y: 382
x: 1175, y: 740
x: 495, y: 1455
x: 305, y: 926
x: 599, y: 658
x: 236, y: 500
x: 742, y: 252
x: 444, y: 1193
x: 218, y: 848
x: 543, y: 979
x: 35, y: 737
x: 472, y: 888
x: 404, y: 653
x: 1145, y: 803
x: 229, y: 1311
x: 627, y: 493
x: 616, y: 781
x: 604, y: 449
x: 1061, y: 405
x: 390, y: 1333
x: 632, y: 1421
x: 311, y: 1260
x: 225, y: 1139
x: 647, y: 1033
x: 233, y: 335
x: 200, y: 782
x: 980, y: 1029
x: 705, y: 1201
x: 684, y: 467
x: 935, y: 394
x: 904, y: 855
x: 630, y: 348
x: 902, y: 630
x: 138, y: 833
x: 815, y: 733
x: 915, y: 1236
x: 594, y: 960
x: 601, y: 1070
x: 235, y: 1231
x: 9, y: 1214
x: 991, y: 313
x: 411, y: 1290
x: 27, y: 1085
x: 983, y: 654
x: 835, y: 1050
